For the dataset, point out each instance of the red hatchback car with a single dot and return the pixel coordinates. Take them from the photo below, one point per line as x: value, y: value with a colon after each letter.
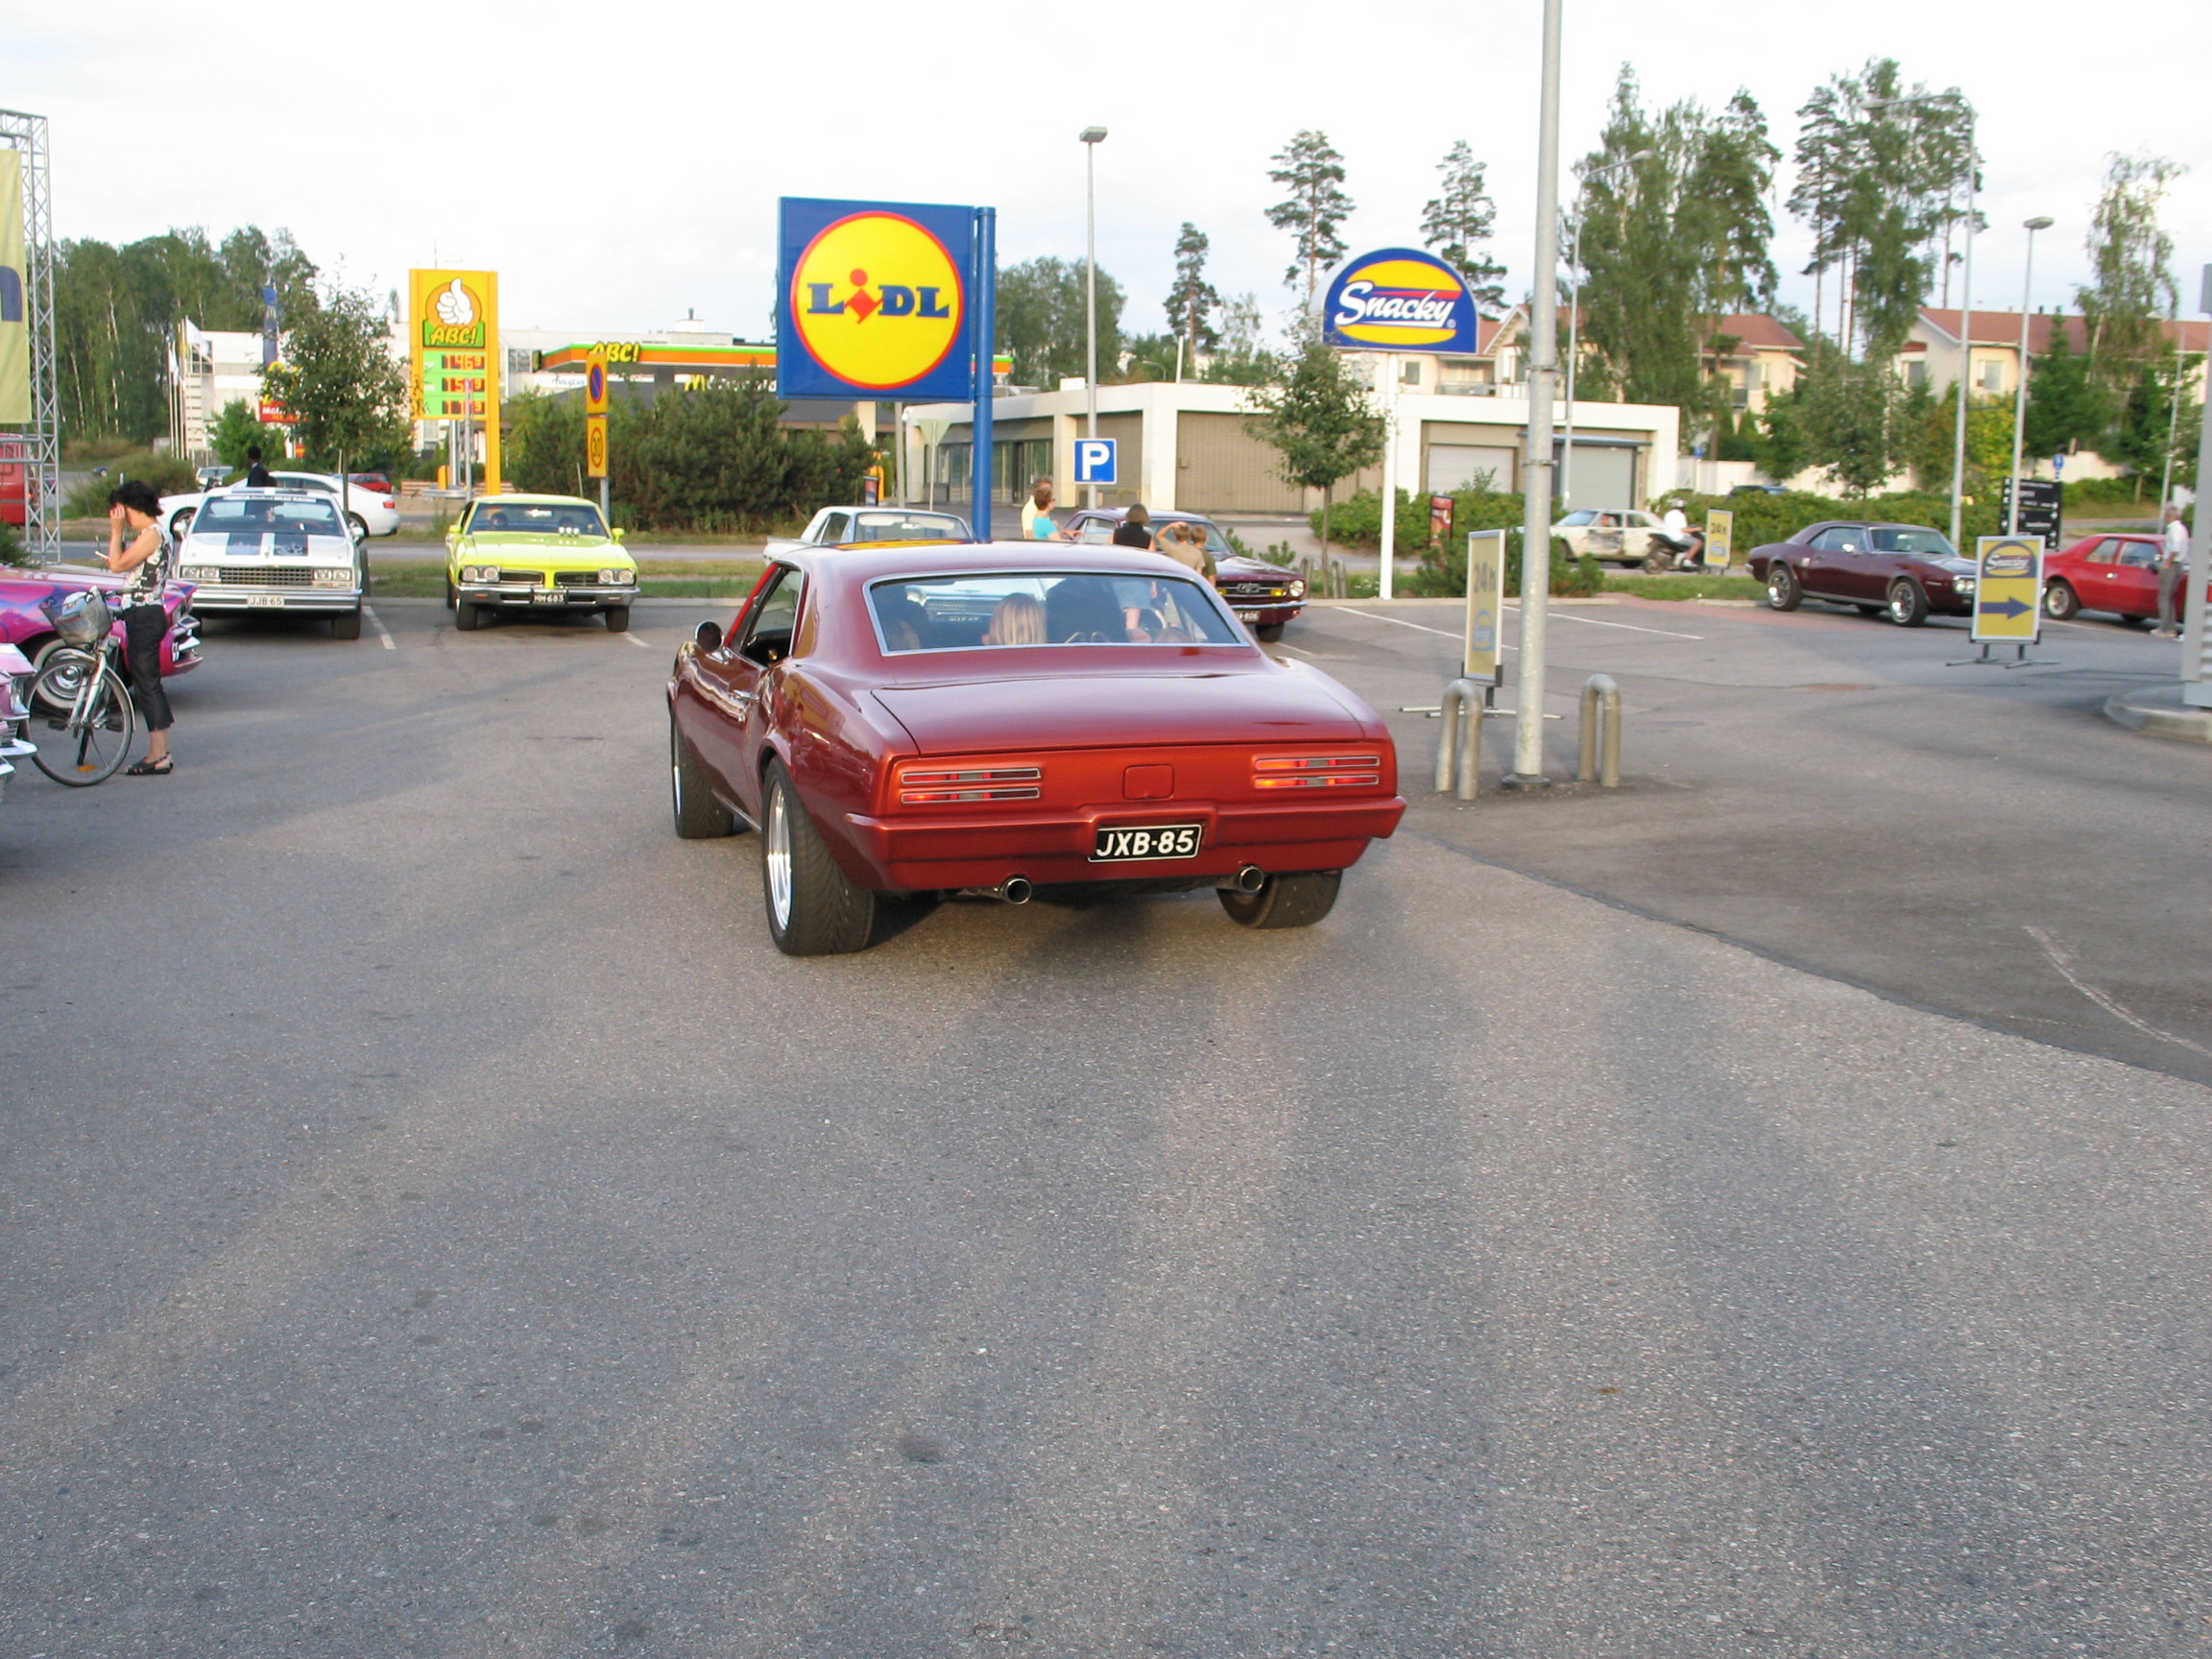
x: 2116, y: 573
x: 1000, y: 717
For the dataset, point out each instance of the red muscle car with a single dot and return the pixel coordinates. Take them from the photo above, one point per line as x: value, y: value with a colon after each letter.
x: 1000, y: 717
x: 2116, y: 573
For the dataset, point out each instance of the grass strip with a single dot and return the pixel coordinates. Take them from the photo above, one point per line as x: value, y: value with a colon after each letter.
x: 1687, y: 585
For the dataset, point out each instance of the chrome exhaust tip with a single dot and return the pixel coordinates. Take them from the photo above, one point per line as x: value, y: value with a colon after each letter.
x: 1015, y: 890
x: 1251, y: 879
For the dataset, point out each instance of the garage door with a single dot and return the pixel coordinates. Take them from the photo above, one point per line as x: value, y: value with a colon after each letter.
x: 1220, y: 467
x: 1605, y: 475
x: 1458, y: 466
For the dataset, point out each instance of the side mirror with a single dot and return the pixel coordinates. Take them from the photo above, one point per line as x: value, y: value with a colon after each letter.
x: 709, y: 635
x: 620, y: 534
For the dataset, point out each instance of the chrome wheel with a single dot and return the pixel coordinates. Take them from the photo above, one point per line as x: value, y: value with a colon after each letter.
x: 776, y: 850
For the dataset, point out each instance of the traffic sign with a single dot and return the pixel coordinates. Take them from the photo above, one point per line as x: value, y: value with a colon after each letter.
x: 595, y: 445
x: 1096, y: 460
x: 2042, y: 509
x: 1719, y: 536
x: 2009, y: 587
x: 596, y: 399
x: 1485, y: 606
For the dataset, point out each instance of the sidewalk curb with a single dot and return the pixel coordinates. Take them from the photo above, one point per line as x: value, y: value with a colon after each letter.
x: 2159, y: 713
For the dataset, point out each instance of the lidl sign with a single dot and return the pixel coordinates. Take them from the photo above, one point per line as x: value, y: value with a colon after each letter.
x: 874, y: 301
x: 1399, y: 300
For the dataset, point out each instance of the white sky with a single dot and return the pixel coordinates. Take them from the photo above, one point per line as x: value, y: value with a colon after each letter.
x: 620, y: 164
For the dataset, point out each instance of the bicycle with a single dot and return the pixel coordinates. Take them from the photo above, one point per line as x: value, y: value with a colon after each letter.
x: 81, y: 695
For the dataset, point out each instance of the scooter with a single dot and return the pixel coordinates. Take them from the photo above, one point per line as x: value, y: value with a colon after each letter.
x: 1684, y: 552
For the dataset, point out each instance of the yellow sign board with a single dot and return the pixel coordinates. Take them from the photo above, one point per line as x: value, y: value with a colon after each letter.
x: 596, y: 400
x: 2009, y: 587
x: 453, y: 353
x: 1719, y: 538
x: 1486, y: 605
x: 595, y: 445
x: 14, y: 318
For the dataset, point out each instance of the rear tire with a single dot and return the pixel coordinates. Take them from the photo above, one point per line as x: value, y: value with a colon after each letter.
x: 1784, y: 591
x: 813, y: 908
x: 1284, y: 901
x: 1907, y: 605
x: 346, y: 625
x: 618, y: 618
x: 468, y: 618
x: 699, y: 815
x: 1269, y: 632
x: 2060, y: 603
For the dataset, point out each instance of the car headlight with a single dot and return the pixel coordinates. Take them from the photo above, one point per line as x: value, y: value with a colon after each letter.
x: 342, y: 577
x: 479, y: 572
x: 200, y: 573
x: 612, y: 577
x: 1297, y: 590
x: 1962, y: 583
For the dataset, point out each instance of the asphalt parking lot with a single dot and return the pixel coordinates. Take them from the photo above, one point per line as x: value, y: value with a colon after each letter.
x: 1702, y: 1217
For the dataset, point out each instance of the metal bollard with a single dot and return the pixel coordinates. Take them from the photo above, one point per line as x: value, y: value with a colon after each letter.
x: 1600, y: 705
x: 1460, y: 741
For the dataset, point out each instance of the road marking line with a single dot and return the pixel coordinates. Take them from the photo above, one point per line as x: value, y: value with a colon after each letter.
x: 635, y: 640
x: 377, y: 622
x: 1570, y: 617
x: 2060, y: 960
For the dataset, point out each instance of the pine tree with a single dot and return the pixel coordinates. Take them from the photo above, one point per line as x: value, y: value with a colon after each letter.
x: 1458, y: 221
x: 1193, y: 300
x: 1316, y: 209
x: 2064, y: 409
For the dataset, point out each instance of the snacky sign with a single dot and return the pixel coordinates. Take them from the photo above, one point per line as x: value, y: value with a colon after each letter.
x: 875, y: 301
x: 1399, y: 300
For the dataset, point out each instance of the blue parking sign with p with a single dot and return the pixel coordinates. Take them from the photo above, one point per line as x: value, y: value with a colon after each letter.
x: 1094, y: 461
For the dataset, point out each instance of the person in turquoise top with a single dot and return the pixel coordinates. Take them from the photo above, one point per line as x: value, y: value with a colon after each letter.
x: 1037, y: 524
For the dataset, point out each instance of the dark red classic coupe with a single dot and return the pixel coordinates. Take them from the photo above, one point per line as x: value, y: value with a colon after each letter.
x: 1003, y: 717
x: 1901, y: 571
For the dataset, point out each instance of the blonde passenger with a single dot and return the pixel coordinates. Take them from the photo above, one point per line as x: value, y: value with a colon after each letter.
x: 1015, y: 621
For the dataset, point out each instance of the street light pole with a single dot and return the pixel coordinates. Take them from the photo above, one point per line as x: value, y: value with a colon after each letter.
x: 1537, y: 467
x: 2020, y: 396
x: 1574, y: 320
x: 1091, y: 136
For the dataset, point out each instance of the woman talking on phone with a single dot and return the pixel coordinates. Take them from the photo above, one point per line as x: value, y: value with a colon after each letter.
x: 137, y: 544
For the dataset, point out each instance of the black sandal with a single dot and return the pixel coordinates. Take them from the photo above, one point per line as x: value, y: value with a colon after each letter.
x: 160, y: 768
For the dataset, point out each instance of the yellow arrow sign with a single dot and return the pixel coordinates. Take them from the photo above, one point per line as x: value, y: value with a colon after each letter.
x: 2009, y: 587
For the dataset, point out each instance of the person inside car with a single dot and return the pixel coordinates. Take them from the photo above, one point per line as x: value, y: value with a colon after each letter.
x: 1015, y: 621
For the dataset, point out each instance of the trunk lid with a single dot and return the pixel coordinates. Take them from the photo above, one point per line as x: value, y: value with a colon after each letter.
x: 1100, y: 711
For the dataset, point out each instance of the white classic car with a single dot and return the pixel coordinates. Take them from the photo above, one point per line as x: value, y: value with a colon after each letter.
x: 1611, y: 535
x: 869, y: 526
x: 255, y: 550
x: 367, y: 511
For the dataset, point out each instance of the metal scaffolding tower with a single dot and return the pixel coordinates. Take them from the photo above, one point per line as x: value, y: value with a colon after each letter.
x: 42, y: 440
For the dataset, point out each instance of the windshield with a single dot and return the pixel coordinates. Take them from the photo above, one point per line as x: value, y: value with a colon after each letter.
x: 1100, y: 530
x: 221, y: 515
x: 537, y: 518
x: 1890, y: 539
x: 894, y: 527
x: 960, y: 612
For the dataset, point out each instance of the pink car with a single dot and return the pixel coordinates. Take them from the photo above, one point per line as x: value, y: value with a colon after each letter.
x: 24, y: 625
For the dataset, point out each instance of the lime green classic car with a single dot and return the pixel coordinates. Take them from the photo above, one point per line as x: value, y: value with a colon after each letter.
x: 541, y: 553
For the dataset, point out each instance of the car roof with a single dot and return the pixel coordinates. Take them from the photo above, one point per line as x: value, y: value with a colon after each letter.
x: 270, y: 493
x: 918, y: 559
x: 1120, y: 513
x: 535, y: 500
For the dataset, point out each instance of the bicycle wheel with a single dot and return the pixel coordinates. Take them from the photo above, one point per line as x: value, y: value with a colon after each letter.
x: 95, y: 736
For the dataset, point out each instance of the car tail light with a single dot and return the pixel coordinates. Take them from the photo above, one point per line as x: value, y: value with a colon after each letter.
x: 1318, y: 772
x: 936, y: 785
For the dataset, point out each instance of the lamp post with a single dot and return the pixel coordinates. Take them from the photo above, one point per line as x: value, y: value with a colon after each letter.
x: 2020, y: 396
x: 1537, y: 467
x: 1092, y: 137
x: 1573, y: 321
x: 1966, y: 294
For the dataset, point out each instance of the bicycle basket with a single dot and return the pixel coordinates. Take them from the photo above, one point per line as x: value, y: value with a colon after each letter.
x: 83, y: 618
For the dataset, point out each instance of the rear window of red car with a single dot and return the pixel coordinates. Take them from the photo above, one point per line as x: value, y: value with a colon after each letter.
x: 1049, y: 608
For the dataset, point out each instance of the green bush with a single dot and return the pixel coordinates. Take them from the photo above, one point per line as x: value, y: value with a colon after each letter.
x: 713, y: 458
x: 1761, y: 518
x: 1359, y: 520
x: 12, y: 551
x: 1442, y: 573
x: 2104, y: 492
x: 168, y: 474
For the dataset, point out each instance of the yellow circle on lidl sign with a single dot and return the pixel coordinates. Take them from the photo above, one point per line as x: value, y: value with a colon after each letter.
x: 877, y: 301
